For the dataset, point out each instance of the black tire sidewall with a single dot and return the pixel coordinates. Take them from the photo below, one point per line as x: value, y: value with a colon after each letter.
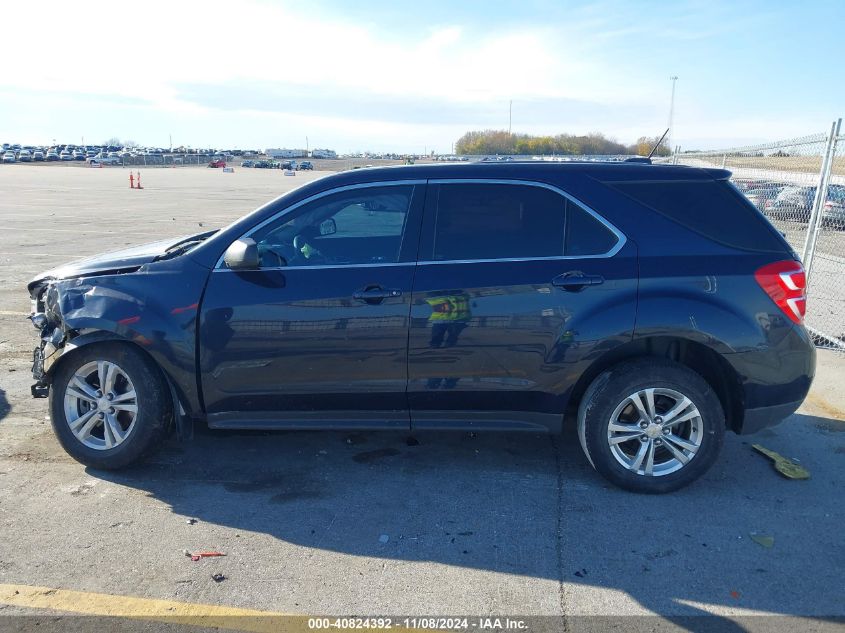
x: 629, y: 377
x: 153, y: 397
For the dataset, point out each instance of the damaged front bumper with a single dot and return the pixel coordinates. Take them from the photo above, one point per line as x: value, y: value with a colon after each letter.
x: 53, y: 338
x: 43, y: 358
x: 39, y: 389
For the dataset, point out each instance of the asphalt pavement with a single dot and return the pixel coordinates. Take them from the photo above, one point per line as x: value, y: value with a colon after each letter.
x: 379, y: 523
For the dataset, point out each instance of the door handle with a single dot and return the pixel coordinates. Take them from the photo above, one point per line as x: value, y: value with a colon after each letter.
x: 375, y: 294
x: 575, y: 281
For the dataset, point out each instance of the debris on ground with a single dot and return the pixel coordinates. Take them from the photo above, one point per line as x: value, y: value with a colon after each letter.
x: 195, y: 556
x: 763, y: 539
x: 384, y: 538
x: 581, y: 573
x: 784, y: 466
x: 190, y: 521
x: 735, y: 595
x: 218, y: 577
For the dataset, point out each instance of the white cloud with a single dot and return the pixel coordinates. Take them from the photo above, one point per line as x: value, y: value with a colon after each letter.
x: 254, y: 72
x: 148, y: 48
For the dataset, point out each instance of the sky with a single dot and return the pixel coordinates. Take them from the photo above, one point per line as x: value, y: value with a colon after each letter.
x: 399, y: 76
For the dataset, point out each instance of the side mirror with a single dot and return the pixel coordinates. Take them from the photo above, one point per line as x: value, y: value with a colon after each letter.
x: 242, y: 254
x: 328, y: 227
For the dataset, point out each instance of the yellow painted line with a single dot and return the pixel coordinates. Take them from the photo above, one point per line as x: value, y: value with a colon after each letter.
x: 170, y: 611
x: 167, y: 611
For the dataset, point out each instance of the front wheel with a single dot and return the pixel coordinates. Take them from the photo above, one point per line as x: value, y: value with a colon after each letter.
x: 651, y: 425
x: 109, y: 405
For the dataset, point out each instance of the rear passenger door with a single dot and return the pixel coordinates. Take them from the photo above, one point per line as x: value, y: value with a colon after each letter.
x: 517, y: 286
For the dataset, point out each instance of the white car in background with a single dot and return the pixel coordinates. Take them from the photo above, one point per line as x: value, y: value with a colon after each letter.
x: 9, y: 157
x: 104, y: 160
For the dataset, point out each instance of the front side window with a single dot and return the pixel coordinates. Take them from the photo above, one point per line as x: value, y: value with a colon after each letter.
x: 510, y: 221
x: 359, y: 226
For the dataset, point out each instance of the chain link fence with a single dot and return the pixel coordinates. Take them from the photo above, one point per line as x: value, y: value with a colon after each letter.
x: 164, y: 160
x: 799, y: 184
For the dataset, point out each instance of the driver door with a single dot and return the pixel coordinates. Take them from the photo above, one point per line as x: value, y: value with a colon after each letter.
x: 316, y: 336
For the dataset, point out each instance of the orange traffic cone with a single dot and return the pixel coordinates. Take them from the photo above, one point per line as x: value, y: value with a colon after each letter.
x: 139, y: 180
x: 131, y: 181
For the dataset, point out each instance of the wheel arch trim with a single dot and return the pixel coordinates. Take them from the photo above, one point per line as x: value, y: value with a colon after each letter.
x: 705, y: 360
x: 180, y: 403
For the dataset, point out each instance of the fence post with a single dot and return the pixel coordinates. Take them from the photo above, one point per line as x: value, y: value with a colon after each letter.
x: 815, y: 223
x: 675, y: 157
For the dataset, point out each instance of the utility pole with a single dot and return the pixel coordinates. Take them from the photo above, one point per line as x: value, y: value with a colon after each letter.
x: 170, y: 136
x: 306, y: 146
x: 673, y: 79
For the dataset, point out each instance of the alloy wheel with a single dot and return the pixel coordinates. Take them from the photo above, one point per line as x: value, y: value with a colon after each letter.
x: 655, y: 432
x: 100, y: 405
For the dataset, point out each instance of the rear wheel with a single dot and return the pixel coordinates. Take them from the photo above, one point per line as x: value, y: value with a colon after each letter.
x: 651, y: 425
x: 109, y: 405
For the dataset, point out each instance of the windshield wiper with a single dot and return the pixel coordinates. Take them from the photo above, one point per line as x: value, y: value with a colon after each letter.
x: 185, y: 245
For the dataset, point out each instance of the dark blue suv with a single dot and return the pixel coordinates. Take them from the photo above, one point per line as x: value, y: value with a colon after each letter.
x: 651, y: 305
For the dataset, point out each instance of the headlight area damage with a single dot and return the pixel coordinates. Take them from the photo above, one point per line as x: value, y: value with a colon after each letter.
x: 61, y: 308
x: 151, y: 305
x: 146, y: 295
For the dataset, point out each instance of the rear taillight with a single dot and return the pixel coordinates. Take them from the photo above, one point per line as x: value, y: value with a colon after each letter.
x: 786, y: 284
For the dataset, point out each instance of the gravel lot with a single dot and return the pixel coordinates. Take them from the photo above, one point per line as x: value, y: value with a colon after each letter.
x: 363, y: 523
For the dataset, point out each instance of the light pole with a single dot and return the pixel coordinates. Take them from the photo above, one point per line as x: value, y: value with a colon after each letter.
x: 510, y: 115
x: 673, y: 79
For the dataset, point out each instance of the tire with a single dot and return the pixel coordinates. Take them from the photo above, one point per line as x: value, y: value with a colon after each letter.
x: 682, y: 448
x: 130, y: 436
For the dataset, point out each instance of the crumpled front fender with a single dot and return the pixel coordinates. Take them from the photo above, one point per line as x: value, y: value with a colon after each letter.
x: 154, y: 307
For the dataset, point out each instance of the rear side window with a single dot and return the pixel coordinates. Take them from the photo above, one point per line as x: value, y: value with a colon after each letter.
x: 504, y: 221
x: 585, y: 235
x: 712, y: 208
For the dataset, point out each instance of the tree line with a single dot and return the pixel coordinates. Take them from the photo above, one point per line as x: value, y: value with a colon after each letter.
x: 502, y: 142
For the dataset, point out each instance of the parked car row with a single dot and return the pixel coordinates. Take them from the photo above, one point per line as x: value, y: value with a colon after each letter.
x: 790, y: 202
x: 27, y: 155
x: 24, y: 156
x: 135, y: 155
x: 290, y: 165
x: 13, y: 153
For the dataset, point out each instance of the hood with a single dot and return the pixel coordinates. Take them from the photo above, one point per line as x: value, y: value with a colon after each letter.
x: 115, y: 262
